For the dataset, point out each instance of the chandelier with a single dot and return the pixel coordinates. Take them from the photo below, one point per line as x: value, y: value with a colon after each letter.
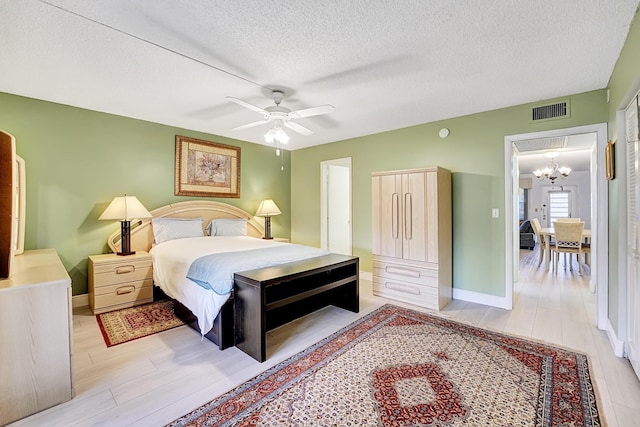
x: 553, y: 171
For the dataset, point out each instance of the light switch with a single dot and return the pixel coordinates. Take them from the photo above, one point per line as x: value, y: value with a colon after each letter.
x: 495, y: 213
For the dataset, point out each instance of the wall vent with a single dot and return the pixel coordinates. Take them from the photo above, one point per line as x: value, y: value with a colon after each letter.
x: 558, y: 110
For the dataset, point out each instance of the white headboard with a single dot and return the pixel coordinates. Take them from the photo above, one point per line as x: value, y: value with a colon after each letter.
x: 142, y: 233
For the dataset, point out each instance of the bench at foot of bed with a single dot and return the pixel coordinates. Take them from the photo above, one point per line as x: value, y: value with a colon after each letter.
x: 270, y: 297
x: 289, y: 291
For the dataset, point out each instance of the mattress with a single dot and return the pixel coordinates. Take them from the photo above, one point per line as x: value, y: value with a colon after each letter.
x: 172, y: 260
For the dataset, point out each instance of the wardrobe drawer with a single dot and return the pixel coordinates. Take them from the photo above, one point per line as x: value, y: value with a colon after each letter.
x: 406, y: 273
x: 424, y: 296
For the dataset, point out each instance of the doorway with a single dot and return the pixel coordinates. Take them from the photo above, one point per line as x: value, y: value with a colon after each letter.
x: 335, y: 227
x: 598, y: 208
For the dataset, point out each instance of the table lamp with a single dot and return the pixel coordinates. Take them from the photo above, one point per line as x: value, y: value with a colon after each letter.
x: 125, y: 208
x: 267, y: 209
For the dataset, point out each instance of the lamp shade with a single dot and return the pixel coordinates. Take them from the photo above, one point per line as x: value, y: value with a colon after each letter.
x: 267, y: 208
x: 125, y: 208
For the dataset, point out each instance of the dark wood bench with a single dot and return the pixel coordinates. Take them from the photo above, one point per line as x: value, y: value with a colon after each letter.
x: 270, y: 297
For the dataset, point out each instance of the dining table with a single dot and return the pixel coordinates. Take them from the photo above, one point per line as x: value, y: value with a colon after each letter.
x: 547, y: 235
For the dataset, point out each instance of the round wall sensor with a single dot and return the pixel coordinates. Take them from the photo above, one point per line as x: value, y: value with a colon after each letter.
x: 444, y: 132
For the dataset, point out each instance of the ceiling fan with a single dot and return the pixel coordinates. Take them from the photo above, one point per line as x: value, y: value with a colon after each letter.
x: 282, y: 116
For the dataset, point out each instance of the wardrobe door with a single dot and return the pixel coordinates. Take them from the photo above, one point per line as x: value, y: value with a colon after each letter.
x: 414, y: 216
x: 387, y: 215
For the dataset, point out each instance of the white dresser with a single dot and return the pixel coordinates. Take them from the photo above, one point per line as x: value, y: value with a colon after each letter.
x: 412, y: 239
x: 35, y: 336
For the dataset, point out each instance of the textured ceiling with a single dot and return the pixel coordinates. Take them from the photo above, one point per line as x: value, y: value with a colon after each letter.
x: 383, y: 64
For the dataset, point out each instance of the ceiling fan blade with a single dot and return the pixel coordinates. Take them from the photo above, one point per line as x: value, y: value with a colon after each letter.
x: 250, y: 125
x: 247, y: 105
x: 298, y: 128
x: 313, y: 111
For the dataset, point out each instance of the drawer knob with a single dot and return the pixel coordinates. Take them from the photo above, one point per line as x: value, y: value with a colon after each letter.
x: 125, y: 269
x: 125, y: 290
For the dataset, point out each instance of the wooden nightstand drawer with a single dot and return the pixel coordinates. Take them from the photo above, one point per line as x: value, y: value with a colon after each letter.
x: 124, y: 295
x: 119, y: 281
x: 104, y: 275
x: 123, y: 288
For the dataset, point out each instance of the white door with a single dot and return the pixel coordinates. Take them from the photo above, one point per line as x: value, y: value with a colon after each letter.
x: 560, y: 203
x: 633, y: 237
x: 336, y: 206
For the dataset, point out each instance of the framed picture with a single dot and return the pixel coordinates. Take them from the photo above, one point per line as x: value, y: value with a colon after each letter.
x: 609, y: 161
x: 206, y: 169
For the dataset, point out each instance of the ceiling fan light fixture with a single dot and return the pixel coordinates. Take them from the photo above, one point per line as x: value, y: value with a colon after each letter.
x: 276, y: 134
x: 281, y: 136
x: 270, y: 136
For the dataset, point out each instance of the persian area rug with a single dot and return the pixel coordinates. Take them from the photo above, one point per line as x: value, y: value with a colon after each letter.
x: 399, y: 367
x: 132, y: 323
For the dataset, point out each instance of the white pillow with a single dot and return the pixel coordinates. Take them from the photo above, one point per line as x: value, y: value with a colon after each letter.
x: 227, y: 227
x: 176, y: 228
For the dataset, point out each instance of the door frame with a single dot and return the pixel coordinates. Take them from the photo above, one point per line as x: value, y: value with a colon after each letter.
x: 599, y: 213
x: 324, y: 197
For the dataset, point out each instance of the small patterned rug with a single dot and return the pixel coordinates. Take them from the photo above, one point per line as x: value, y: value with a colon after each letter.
x: 399, y: 367
x: 128, y: 324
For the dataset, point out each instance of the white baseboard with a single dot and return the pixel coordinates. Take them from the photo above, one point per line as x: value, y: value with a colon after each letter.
x: 81, y: 300
x: 616, y: 344
x: 478, y: 298
x: 366, y: 275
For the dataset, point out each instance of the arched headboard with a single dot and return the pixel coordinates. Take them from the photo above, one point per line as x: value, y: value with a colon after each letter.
x: 142, y: 233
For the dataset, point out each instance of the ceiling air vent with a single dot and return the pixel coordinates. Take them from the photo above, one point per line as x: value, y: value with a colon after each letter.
x: 558, y: 110
x: 541, y: 144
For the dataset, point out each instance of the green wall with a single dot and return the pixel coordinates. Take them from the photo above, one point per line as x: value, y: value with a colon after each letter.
x: 624, y: 83
x: 78, y: 160
x: 474, y: 152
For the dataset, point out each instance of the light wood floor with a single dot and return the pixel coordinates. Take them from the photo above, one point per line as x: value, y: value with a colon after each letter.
x: 153, y: 380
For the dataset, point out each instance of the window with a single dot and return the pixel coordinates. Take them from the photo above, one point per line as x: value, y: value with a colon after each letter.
x: 559, y: 205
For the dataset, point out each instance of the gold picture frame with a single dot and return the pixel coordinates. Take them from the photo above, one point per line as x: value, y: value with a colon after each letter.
x: 609, y: 161
x: 206, y: 169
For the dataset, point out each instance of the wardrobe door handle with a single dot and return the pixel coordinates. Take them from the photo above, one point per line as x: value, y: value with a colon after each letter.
x: 408, y: 216
x: 395, y: 213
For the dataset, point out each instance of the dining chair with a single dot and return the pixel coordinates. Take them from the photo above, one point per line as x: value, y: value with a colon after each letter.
x: 586, y: 249
x: 568, y: 241
x: 569, y: 219
x: 535, y: 224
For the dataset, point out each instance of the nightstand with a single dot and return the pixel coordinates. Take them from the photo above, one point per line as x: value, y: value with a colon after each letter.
x: 119, y: 281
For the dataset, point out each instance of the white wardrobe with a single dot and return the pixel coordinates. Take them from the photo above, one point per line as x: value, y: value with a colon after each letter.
x: 412, y: 249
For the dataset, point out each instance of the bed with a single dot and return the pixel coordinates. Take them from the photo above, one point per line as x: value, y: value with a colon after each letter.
x: 226, y: 311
